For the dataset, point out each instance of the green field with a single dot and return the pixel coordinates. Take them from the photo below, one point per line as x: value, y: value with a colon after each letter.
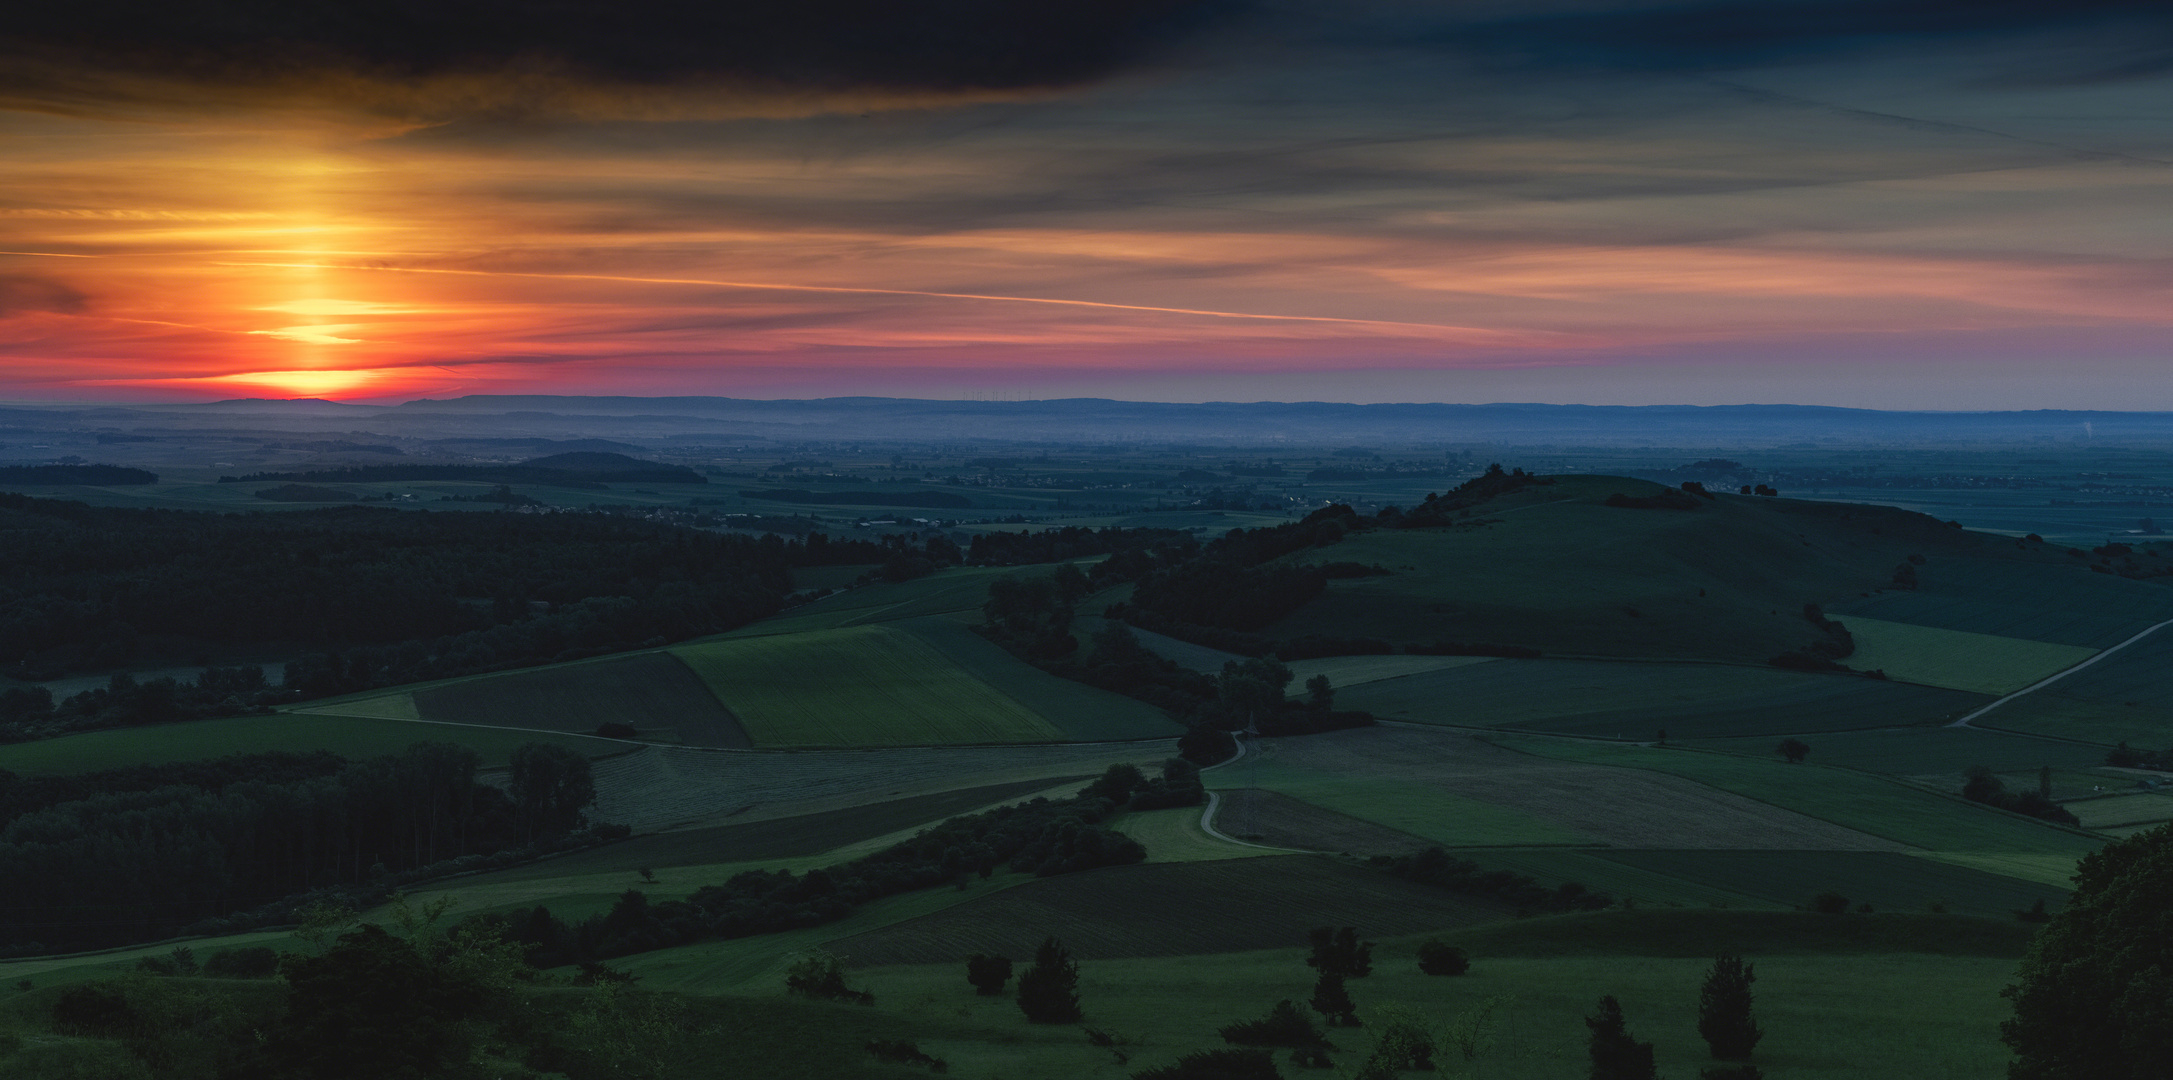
x: 1555, y: 569
x: 1871, y: 804
x: 861, y: 686
x: 1174, y: 835
x: 1083, y: 713
x: 1636, y: 888
x: 1844, y: 1013
x: 1413, y: 806
x: 354, y: 737
x: 1923, y: 751
x: 1623, y: 699
x: 2057, y: 601
x: 1956, y: 659
x: 1889, y: 881
x: 652, y: 692
x: 1347, y: 671
x: 943, y: 592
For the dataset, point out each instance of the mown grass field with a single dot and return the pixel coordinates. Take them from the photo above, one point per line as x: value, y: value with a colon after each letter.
x: 1956, y: 659
x: 2051, y: 713
x: 860, y: 686
x: 1888, y: 881
x: 1859, y: 801
x: 653, y: 692
x: 354, y: 737
x: 1083, y: 713
x: 1627, y: 700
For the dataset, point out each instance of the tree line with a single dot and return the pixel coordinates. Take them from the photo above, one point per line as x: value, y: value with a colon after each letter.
x: 1042, y: 837
x: 211, y: 847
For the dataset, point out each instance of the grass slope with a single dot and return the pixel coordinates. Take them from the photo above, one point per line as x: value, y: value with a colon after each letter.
x: 1889, y: 881
x: 1556, y: 569
x: 354, y: 737
x: 1867, y: 803
x: 1929, y: 752
x: 860, y: 686
x: 1956, y: 659
x: 653, y: 692
x: 1841, y: 1010
x: 2055, y: 599
x: 1083, y: 713
x: 1624, y: 699
x: 1414, y: 806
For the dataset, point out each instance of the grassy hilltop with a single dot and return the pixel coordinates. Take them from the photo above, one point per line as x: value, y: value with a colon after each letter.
x: 1627, y: 746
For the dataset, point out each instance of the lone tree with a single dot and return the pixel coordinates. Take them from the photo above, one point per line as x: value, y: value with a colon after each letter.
x: 988, y: 974
x: 2094, y: 996
x: 1049, y: 990
x: 1333, y: 1002
x: 1615, y: 1055
x: 1795, y: 750
x: 1339, y: 952
x: 1724, y: 1013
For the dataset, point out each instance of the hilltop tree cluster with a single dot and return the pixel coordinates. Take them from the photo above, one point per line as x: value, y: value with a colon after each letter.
x: 1981, y: 784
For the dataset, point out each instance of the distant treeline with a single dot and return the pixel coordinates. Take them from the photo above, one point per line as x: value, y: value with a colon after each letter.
x: 577, y: 470
x: 1040, y: 837
x: 29, y: 712
x: 213, y: 847
x: 102, y: 475
x: 1436, y: 867
x: 1070, y: 542
x: 934, y: 500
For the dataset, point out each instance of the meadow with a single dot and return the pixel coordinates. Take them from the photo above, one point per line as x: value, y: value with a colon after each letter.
x: 355, y: 737
x: 1956, y: 659
x: 653, y: 693
x: 2057, y: 601
x: 858, y: 686
x: 1626, y: 700
x: 1936, y: 754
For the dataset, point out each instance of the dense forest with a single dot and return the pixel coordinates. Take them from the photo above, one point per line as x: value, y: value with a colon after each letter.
x: 219, y: 846
x: 374, y: 596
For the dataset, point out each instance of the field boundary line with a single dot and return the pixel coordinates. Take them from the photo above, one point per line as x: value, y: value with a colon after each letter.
x: 2057, y: 676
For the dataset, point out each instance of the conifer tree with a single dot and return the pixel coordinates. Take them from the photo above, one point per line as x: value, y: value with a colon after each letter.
x: 1049, y: 990
x: 1724, y: 1009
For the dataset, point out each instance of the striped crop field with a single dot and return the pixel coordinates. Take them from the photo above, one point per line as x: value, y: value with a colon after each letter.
x: 1956, y: 659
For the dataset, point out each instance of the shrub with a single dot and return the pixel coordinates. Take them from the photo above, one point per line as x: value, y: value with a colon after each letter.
x: 1615, y: 1055
x: 1339, y: 952
x: 1285, y: 1025
x: 988, y: 974
x: 1830, y: 903
x: 1435, y: 958
x: 1049, y: 990
x: 905, y: 1052
x: 1217, y: 1065
x: 256, y: 962
x: 821, y: 975
x: 1333, y: 1002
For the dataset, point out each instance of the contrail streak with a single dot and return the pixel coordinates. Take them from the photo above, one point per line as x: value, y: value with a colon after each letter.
x: 868, y: 290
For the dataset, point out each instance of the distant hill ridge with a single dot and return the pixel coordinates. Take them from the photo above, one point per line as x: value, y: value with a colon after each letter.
x: 581, y: 468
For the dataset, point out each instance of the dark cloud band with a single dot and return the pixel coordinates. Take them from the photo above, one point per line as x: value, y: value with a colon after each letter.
x: 817, y: 44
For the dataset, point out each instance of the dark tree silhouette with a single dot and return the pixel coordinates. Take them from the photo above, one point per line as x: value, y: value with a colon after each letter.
x: 988, y: 974
x: 551, y: 784
x: 1049, y: 990
x: 1333, y: 1002
x: 1795, y: 750
x: 2091, y: 998
x: 1724, y: 1009
x: 1436, y: 958
x: 1615, y: 1055
x: 1339, y: 952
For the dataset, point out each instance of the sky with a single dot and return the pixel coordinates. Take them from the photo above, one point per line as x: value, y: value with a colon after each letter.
x: 1923, y: 204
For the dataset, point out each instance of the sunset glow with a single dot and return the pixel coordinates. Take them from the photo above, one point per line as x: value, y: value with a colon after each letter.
x: 1148, y: 234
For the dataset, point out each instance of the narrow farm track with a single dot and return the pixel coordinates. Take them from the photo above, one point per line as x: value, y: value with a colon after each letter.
x: 659, y: 787
x: 2042, y: 683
